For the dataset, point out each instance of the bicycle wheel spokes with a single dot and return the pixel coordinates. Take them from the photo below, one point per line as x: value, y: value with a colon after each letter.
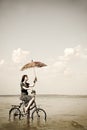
x: 39, y: 114
x: 14, y: 114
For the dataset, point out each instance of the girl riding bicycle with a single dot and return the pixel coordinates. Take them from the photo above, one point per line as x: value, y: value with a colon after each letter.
x: 28, y: 99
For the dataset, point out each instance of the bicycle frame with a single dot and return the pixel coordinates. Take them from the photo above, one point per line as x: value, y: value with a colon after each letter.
x: 22, y: 103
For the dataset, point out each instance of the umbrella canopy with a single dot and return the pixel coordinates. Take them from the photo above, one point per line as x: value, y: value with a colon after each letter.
x: 33, y: 64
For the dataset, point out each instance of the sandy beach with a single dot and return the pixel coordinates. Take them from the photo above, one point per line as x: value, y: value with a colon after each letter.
x: 67, y: 114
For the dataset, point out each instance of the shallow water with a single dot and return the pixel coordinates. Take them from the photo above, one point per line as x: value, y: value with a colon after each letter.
x: 61, y: 112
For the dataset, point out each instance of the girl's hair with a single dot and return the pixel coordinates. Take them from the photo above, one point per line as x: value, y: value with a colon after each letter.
x: 23, y: 77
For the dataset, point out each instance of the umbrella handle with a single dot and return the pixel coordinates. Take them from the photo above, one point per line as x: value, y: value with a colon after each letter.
x: 35, y: 74
x: 34, y: 71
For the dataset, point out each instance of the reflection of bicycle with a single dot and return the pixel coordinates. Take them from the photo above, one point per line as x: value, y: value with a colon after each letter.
x: 17, y: 111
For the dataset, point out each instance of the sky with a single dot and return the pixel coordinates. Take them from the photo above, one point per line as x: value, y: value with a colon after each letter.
x: 51, y: 31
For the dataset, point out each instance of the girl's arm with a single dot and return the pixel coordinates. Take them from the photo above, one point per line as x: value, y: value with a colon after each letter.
x: 35, y: 80
x: 25, y: 88
x: 32, y: 85
x: 29, y: 87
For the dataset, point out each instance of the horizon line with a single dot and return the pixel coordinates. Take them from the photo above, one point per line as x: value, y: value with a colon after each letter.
x: 47, y: 94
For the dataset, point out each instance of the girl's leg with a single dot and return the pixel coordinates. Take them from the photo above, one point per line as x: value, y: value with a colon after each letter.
x: 30, y: 102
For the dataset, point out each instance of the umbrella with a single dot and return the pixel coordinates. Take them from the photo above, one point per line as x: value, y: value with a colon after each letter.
x: 33, y: 64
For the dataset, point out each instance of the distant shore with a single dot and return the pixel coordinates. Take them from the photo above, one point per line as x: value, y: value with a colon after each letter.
x: 50, y: 95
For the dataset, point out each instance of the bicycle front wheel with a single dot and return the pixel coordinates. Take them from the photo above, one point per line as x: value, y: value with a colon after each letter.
x: 39, y: 113
x: 14, y: 114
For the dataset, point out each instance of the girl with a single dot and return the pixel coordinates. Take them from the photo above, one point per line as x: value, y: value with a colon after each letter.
x: 24, y: 92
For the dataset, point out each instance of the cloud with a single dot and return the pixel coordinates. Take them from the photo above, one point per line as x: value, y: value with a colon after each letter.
x: 70, y: 53
x: 73, y: 53
x: 19, y: 55
x: 68, y: 65
x: 63, y: 65
x: 1, y: 62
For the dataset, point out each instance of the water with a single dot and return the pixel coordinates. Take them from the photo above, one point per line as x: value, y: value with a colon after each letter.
x: 61, y: 112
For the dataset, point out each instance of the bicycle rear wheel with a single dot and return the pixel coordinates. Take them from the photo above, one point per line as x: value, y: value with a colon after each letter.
x: 39, y: 114
x: 14, y: 114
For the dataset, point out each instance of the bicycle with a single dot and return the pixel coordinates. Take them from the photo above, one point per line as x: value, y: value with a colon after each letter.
x: 17, y: 111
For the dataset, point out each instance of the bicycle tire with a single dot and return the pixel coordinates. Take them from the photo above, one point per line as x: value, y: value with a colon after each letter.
x: 37, y: 111
x: 14, y: 113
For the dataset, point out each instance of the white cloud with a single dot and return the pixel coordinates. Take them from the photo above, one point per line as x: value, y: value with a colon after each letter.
x: 72, y: 53
x: 66, y: 65
x: 63, y: 64
x: 68, y: 52
x: 2, y: 62
x: 19, y: 55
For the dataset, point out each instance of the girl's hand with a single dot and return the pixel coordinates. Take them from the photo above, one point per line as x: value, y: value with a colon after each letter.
x: 35, y: 80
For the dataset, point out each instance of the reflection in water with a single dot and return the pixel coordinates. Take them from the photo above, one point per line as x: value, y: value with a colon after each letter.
x: 24, y: 124
x: 39, y: 122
